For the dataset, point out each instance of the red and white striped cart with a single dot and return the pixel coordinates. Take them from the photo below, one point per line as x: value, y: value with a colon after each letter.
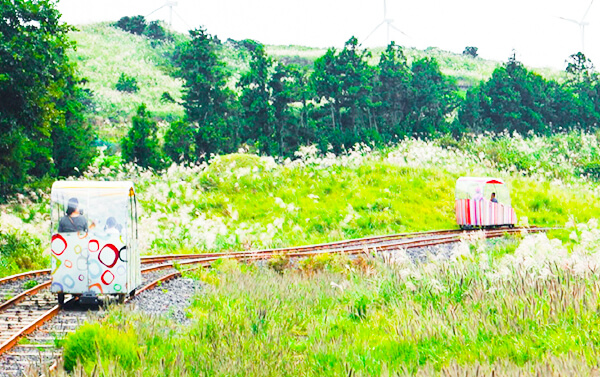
x: 483, y: 202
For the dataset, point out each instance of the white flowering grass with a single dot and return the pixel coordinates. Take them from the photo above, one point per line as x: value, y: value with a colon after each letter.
x: 526, y: 312
x: 243, y: 201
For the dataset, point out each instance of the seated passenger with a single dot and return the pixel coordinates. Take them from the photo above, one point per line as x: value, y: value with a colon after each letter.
x: 493, y: 199
x: 478, y: 195
x: 111, y: 226
x: 73, y: 221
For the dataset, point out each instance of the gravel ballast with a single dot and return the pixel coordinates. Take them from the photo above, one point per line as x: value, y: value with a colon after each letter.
x: 170, y: 299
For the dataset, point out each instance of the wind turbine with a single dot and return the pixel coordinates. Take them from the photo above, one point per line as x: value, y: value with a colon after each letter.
x: 582, y: 24
x: 169, y: 4
x: 388, y: 21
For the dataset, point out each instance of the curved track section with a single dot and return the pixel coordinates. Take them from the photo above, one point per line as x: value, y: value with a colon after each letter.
x: 35, y: 309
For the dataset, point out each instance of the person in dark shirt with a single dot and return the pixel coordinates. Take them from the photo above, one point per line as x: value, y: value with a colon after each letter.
x: 493, y: 199
x: 74, y: 220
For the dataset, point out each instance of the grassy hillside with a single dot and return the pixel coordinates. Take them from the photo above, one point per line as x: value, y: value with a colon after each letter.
x: 515, y: 306
x: 105, y: 52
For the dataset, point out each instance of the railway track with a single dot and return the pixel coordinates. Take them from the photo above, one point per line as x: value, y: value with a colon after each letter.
x: 33, y: 310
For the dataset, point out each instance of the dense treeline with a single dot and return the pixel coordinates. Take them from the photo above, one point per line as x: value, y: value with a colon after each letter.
x: 271, y: 107
x: 343, y: 100
x: 274, y: 108
x: 42, y: 130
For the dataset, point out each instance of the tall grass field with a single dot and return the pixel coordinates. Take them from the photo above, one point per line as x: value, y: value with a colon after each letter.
x: 518, y: 305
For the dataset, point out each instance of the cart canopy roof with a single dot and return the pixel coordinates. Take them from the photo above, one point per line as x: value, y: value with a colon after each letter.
x: 484, y: 180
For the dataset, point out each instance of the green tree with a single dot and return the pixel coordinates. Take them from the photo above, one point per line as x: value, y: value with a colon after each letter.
x: 34, y: 72
x: 393, y: 92
x: 470, y: 51
x: 208, y: 101
x: 141, y: 144
x: 515, y: 99
x: 583, y: 85
x: 433, y: 98
x: 154, y: 30
x: 289, y: 99
x: 255, y: 99
x: 344, y: 83
x: 127, y: 84
x: 179, y: 142
x: 73, y: 139
x: 133, y: 25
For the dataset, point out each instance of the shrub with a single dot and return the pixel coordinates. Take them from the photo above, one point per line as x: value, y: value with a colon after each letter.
x: 20, y: 251
x: 591, y: 169
x: 93, y: 340
x: 30, y: 284
x: 127, y: 84
x: 279, y: 262
x: 141, y: 143
x: 155, y: 31
x: 179, y: 142
x: 133, y: 25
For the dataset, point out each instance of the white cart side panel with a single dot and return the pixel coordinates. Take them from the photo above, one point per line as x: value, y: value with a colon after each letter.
x: 108, y: 264
x: 69, y: 263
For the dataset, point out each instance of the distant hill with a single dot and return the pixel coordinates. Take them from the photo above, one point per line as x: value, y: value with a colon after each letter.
x: 105, y: 52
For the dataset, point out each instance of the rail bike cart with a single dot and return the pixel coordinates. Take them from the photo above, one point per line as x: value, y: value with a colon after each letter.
x: 475, y: 205
x: 94, y: 240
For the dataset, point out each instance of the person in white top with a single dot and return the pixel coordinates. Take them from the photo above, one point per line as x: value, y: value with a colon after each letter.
x: 111, y: 226
x: 478, y: 195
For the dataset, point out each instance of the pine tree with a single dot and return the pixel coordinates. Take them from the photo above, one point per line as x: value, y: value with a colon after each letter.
x: 141, y: 144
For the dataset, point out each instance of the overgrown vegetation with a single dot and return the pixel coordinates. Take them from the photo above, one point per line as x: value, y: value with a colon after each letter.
x: 524, y: 306
x: 230, y: 96
x: 243, y: 201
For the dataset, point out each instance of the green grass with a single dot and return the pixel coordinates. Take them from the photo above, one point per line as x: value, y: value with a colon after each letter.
x: 104, y: 53
x: 364, y: 317
x: 243, y: 201
x: 245, y: 204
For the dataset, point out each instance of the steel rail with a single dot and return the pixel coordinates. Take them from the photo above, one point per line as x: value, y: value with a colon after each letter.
x: 360, y: 241
x: 151, y: 259
x: 35, y: 324
x: 23, y: 295
x: 23, y: 275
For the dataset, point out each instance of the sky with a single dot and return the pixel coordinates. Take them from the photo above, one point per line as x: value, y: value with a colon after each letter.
x: 532, y: 28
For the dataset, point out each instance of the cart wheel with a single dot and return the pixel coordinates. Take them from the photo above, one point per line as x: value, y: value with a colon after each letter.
x: 61, y: 299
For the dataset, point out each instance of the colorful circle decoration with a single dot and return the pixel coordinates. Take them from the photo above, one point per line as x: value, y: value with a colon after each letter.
x: 68, y: 281
x: 93, y: 246
x: 117, y: 287
x: 56, y: 263
x: 109, y: 255
x: 77, y: 249
x: 59, y: 244
x: 97, y: 287
x: 56, y: 287
x: 123, y: 254
x: 107, y: 277
x: 94, y: 268
x: 121, y: 270
x: 81, y: 277
x: 68, y: 264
